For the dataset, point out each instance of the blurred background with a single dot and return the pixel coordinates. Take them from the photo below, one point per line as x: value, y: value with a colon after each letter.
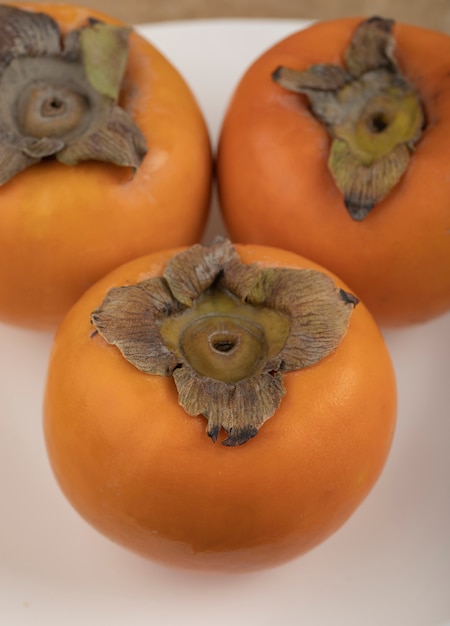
x: 429, y: 13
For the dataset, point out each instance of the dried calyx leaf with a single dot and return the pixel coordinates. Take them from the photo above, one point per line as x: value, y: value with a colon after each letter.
x: 59, y: 95
x: 226, y: 331
x: 374, y: 116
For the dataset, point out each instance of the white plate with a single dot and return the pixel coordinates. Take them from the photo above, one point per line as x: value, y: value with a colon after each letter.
x: 389, y: 565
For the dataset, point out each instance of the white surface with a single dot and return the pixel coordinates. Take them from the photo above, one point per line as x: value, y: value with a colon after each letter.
x: 388, y: 566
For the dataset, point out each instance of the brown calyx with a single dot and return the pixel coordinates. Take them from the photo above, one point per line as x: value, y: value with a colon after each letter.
x: 226, y: 332
x: 374, y: 115
x: 60, y: 95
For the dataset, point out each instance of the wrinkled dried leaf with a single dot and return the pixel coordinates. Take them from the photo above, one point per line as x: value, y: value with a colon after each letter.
x: 118, y: 140
x: 320, y: 85
x: 26, y: 33
x: 372, y: 47
x: 127, y: 318
x: 319, y: 77
x: 42, y: 147
x: 12, y: 161
x: 240, y: 278
x: 363, y: 186
x: 318, y: 313
x: 239, y: 409
x: 71, y: 48
x: 191, y: 272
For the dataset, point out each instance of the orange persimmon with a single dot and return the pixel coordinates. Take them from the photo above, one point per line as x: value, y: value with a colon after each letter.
x: 62, y: 226
x: 143, y: 472
x: 276, y: 187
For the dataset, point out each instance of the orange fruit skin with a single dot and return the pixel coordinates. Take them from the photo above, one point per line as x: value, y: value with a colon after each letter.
x: 146, y: 475
x: 62, y: 228
x: 275, y: 187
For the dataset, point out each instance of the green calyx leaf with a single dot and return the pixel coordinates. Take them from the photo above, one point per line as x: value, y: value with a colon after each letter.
x: 362, y: 184
x: 104, y: 50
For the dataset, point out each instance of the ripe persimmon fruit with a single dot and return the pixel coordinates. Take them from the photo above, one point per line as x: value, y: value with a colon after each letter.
x: 335, y: 145
x: 133, y: 458
x: 66, y: 218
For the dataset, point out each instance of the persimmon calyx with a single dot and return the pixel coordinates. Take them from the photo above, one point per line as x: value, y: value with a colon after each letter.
x: 60, y: 94
x: 226, y: 331
x: 374, y: 116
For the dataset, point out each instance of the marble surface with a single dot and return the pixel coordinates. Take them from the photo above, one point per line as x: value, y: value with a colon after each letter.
x: 388, y: 565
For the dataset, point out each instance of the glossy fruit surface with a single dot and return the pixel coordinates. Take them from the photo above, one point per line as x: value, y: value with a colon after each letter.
x: 143, y: 472
x: 63, y: 227
x: 276, y: 188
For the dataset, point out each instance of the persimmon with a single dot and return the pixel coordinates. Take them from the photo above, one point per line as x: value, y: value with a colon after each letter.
x: 104, y: 156
x: 335, y: 145
x: 291, y: 373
